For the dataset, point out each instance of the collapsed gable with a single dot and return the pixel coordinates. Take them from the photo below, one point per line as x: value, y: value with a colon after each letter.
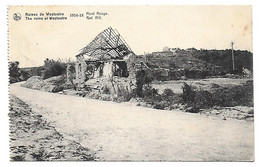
x: 107, y: 45
x: 105, y: 56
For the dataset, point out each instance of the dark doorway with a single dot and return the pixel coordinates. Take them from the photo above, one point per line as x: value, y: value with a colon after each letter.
x: 119, y: 68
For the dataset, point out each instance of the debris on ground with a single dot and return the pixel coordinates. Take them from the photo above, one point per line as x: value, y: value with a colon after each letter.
x: 32, y: 138
x: 53, y: 84
x: 120, y: 89
x: 237, y: 112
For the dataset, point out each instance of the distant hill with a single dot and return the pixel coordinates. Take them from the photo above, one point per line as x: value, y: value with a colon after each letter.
x: 223, y: 58
x: 193, y: 59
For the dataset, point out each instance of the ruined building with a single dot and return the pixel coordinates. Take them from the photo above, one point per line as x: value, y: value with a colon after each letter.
x: 107, y: 55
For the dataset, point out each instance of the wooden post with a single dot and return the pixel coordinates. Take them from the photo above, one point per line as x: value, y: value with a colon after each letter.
x: 233, y: 58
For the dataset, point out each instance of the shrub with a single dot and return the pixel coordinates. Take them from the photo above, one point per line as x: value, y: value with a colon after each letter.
x: 124, y: 95
x: 204, y: 99
x: 161, y: 105
x: 143, y: 77
x: 24, y: 75
x: 53, y: 68
x: 197, y: 99
x: 188, y: 94
x: 196, y: 74
x: 149, y: 91
x: 160, y: 101
x: 170, y: 96
x: 106, y: 90
x: 168, y: 92
x: 234, y: 95
x: 14, y: 73
x: 222, y: 96
x: 160, y: 75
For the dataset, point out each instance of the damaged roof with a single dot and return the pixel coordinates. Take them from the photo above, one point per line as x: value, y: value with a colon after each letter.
x: 108, y: 44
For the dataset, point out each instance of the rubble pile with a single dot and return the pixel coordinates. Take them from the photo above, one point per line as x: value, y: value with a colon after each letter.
x: 110, y: 85
x: 118, y: 89
x: 237, y: 112
x: 35, y: 82
x: 53, y: 84
x: 32, y: 138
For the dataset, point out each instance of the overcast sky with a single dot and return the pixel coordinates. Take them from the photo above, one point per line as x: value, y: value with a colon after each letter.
x: 144, y: 28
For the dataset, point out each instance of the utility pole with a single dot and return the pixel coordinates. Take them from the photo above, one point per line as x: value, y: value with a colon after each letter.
x: 233, y: 58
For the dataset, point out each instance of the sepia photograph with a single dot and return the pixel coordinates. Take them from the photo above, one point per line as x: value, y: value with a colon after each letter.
x: 150, y: 83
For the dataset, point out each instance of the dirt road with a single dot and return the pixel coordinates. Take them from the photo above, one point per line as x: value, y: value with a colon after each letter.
x: 126, y: 132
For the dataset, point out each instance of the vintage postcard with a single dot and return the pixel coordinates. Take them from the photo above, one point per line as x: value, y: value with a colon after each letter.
x: 131, y: 83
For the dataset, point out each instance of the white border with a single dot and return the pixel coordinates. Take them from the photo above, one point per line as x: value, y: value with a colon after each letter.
x: 4, y: 148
